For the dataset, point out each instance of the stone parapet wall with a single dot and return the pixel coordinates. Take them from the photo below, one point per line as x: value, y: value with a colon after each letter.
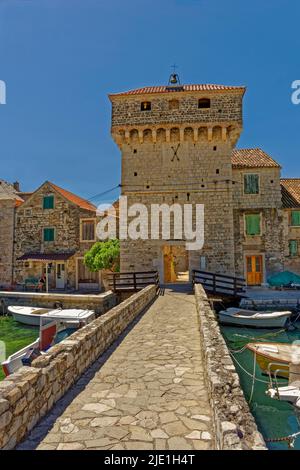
x: 27, y: 395
x: 235, y: 427
x: 100, y: 303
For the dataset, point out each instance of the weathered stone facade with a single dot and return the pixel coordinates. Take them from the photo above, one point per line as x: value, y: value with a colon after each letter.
x: 65, y: 249
x: 180, y: 154
x: 8, y: 200
x: 176, y: 151
x: 269, y: 243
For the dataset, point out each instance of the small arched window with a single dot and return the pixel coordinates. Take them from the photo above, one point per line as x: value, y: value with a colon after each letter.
x: 146, y: 106
x: 204, y: 103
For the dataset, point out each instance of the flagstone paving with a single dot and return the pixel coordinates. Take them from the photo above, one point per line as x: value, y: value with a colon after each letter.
x: 149, y: 394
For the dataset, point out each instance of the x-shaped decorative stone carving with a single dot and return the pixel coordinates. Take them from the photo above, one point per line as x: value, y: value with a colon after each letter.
x: 175, y: 150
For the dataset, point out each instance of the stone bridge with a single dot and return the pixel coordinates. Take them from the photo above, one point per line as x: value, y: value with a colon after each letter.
x: 152, y: 373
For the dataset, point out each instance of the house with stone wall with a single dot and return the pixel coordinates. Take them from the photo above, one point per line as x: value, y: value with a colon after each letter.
x: 9, y: 201
x: 258, y: 215
x: 178, y: 146
x: 53, y: 230
x: 290, y: 188
x: 176, y: 143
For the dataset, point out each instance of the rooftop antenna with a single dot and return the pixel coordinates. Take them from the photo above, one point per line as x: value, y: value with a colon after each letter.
x: 174, y: 78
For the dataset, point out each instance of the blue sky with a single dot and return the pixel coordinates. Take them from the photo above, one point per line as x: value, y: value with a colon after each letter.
x: 61, y: 58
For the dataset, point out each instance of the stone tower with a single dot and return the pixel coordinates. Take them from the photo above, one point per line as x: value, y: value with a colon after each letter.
x: 176, y: 143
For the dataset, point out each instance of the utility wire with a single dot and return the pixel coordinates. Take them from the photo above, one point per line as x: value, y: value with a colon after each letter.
x: 104, y: 192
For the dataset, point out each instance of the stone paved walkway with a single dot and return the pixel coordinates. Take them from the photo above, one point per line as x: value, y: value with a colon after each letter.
x: 150, y: 392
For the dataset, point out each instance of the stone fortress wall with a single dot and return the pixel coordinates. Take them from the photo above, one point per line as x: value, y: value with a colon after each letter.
x: 179, y: 153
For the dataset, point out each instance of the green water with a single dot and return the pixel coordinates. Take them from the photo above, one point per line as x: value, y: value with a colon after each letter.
x: 15, y: 336
x: 274, y: 418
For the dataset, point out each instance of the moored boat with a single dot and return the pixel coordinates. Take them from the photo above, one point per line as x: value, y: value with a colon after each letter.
x: 253, y: 318
x: 55, y: 325
x: 275, y: 357
x: 31, y: 315
x: 27, y: 315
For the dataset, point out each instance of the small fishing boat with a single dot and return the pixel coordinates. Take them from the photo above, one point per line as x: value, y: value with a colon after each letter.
x: 55, y: 326
x: 275, y: 357
x: 31, y: 315
x: 27, y: 315
x: 254, y: 319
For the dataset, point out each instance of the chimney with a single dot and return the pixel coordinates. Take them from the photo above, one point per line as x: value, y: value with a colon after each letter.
x: 16, y: 185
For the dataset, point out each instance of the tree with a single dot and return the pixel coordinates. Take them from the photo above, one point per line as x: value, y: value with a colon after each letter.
x: 103, y: 255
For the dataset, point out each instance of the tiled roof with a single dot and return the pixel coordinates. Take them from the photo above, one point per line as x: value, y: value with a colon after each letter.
x: 172, y: 89
x: 7, y: 191
x: 290, y: 190
x: 252, y: 158
x: 83, y: 203
x: 46, y: 256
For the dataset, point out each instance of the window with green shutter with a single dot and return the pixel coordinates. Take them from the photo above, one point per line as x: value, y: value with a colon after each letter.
x: 48, y: 234
x: 48, y: 202
x: 293, y: 245
x: 295, y: 218
x: 252, y: 224
x: 251, y: 184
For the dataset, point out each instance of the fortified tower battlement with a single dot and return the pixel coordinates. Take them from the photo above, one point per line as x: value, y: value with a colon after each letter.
x: 176, y: 143
x: 200, y: 112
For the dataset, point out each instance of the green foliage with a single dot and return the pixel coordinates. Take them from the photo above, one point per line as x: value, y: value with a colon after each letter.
x: 103, y: 255
x: 15, y: 336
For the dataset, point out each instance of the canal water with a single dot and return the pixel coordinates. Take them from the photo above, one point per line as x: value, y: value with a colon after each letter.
x: 274, y: 418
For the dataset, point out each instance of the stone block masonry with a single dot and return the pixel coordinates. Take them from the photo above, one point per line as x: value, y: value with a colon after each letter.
x: 234, y: 424
x: 27, y: 395
x: 148, y: 393
x: 100, y: 303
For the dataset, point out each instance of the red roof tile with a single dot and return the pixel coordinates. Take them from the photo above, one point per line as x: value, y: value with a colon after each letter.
x: 252, y: 158
x: 83, y: 203
x: 172, y: 89
x: 290, y: 189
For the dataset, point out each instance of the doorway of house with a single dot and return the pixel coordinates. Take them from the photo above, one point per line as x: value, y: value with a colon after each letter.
x: 176, y: 263
x: 254, y: 267
x: 60, y: 276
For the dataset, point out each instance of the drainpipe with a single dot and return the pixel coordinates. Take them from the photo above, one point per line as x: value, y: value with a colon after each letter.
x: 47, y: 278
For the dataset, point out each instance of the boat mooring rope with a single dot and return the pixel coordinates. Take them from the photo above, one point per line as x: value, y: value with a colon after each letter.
x: 290, y: 439
x: 247, y: 372
x: 257, y: 339
x: 253, y: 376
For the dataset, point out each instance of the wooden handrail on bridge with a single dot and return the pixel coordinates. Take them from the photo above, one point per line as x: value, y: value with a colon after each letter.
x: 132, y: 281
x: 222, y: 284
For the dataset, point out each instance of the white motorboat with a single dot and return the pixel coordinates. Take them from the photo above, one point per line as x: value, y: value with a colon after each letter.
x: 31, y: 315
x: 253, y: 318
x: 55, y: 325
x: 27, y: 315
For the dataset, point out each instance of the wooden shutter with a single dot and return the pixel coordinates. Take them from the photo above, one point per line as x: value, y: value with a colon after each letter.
x: 252, y: 224
x: 88, y: 230
x: 293, y: 246
x: 48, y: 202
x: 48, y: 234
x: 251, y: 184
x: 295, y: 221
